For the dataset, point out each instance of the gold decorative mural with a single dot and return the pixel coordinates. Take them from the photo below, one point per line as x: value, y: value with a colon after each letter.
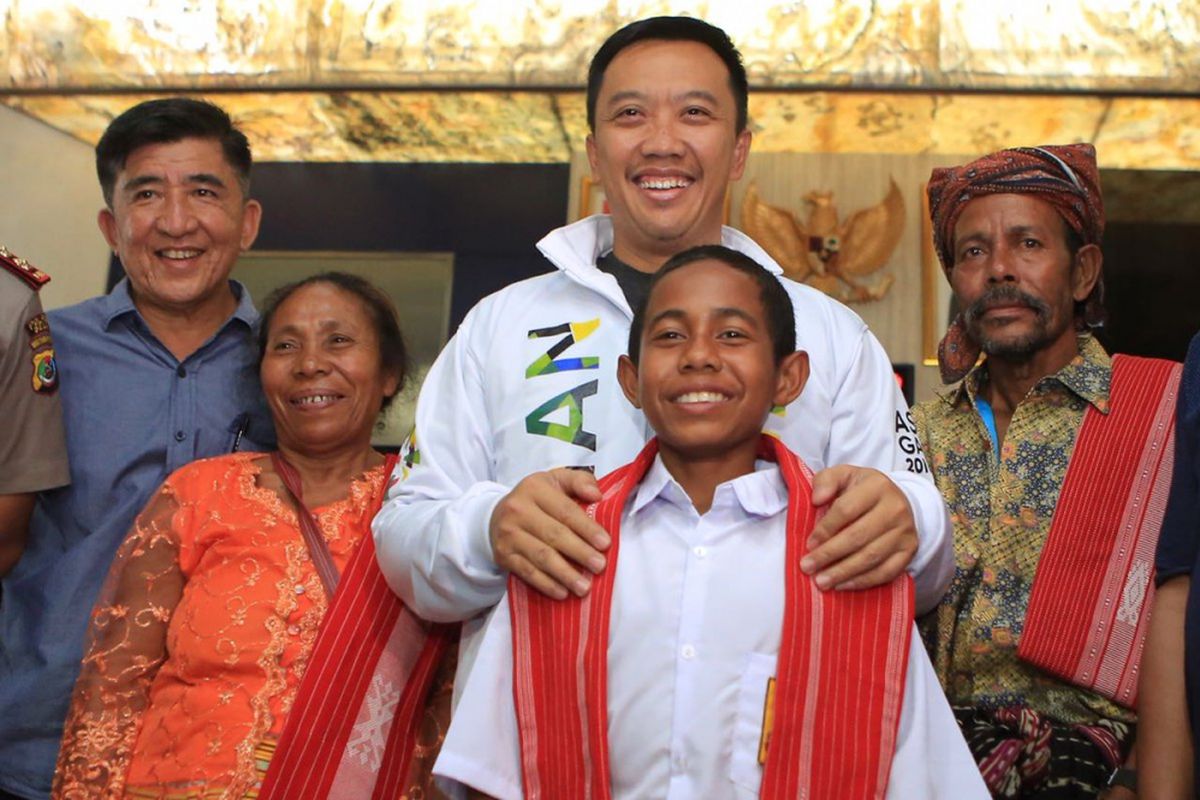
x: 487, y: 127
x: 1128, y: 132
x: 447, y: 80
x: 1071, y: 44
x: 1083, y: 45
x: 545, y: 127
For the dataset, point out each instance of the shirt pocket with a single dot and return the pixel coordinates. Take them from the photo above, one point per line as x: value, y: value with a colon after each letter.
x: 746, y: 737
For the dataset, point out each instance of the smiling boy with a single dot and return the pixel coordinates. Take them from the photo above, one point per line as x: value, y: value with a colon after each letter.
x: 704, y: 663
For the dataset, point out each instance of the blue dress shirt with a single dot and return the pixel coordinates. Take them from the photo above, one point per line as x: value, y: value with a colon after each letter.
x: 133, y: 414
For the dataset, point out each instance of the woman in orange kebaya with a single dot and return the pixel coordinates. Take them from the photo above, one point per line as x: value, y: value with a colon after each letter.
x: 245, y: 643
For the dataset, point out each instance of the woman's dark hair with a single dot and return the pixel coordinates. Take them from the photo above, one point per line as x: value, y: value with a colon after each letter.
x: 165, y: 121
x: 670, y: 29
x: 780, y: 314
x: 393, y: 352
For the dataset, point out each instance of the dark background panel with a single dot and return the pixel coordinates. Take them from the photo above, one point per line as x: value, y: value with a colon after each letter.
x: 488, y: 215
x: 1152, y: 288
x: 1151, y: 277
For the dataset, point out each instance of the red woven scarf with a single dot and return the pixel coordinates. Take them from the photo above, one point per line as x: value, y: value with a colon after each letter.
x: 336, y: 742
x: 840, y: 684
x: 1094, y: 587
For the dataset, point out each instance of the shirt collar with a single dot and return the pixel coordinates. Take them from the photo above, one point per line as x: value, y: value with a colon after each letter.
x: 119, y: 302
x: 761, y: 493
x: 1088, y: 375
x: 577, y: 246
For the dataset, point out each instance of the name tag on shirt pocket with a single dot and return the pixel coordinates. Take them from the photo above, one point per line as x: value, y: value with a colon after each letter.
x: 747, y: 735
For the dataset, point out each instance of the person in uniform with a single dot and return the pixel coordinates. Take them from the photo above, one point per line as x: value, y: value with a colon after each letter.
x: 33, y: 452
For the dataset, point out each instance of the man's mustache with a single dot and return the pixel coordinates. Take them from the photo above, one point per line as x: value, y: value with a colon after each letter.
x: 1005, y: 296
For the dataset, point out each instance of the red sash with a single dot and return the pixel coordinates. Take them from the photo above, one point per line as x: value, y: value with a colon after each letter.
x: 353, y: 726
x: 841, y: 670
x: 1094, y: 587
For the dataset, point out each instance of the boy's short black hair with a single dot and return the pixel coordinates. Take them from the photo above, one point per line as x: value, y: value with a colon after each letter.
x: 671, y: 29
x: 777, y: 305
x: 164, y: 121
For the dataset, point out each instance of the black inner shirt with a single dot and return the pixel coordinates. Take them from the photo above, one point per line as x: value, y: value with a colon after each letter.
x: 634, y: 283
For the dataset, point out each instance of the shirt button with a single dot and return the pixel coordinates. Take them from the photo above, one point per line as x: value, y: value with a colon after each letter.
x: 679, y: 761
x: 299, y: 588
x: 181, y: 372
x: 700, y: 551
x: 180, y: 436
x: 688, y: 652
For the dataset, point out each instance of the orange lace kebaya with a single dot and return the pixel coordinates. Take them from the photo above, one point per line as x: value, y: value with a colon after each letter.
x: 201, y: 636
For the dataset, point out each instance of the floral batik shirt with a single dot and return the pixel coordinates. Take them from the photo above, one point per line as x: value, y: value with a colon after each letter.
x: 1001, y: 505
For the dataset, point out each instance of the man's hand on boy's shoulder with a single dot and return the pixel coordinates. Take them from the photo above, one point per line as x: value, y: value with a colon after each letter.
x: 538, y: 532
x: 866, y: 537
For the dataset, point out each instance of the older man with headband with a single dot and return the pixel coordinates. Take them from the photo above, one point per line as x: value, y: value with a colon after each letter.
x: 1053, y: 458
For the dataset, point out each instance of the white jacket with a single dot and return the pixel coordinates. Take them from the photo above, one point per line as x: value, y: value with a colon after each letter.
x: 529, y: 383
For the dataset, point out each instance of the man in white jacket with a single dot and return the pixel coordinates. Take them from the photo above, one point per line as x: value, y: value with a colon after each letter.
x: 526, y: 392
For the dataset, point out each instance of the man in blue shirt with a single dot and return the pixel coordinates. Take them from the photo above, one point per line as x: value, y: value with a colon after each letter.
x: 158, y: 373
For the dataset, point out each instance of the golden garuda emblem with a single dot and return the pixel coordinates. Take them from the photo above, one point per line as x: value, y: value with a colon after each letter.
x: 827, y: 254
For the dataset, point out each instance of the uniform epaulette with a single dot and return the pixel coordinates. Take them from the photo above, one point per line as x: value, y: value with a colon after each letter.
x: 23, y: 269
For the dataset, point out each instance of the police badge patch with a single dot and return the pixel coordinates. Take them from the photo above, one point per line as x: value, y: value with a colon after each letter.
x: 45, y: 370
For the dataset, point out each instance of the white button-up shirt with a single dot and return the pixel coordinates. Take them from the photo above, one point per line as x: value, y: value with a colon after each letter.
x: 697, y: 612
